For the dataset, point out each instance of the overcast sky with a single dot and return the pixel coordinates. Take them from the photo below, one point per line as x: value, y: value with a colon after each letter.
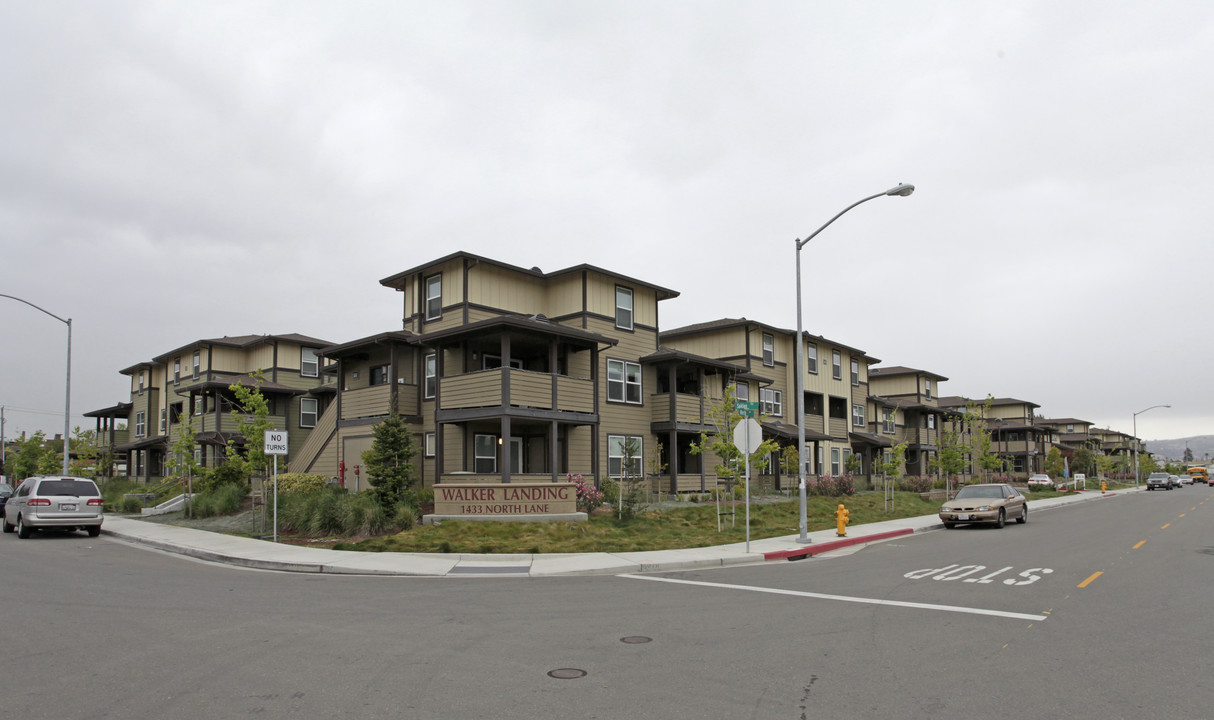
x: 172, y: 171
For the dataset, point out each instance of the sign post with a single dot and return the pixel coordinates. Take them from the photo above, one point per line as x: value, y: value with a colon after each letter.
x: 276, y: 444
x: 747, y: 435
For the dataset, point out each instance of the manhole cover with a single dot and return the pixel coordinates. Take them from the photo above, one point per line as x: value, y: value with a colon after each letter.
x: 566, y: 673
x: 635, y: 639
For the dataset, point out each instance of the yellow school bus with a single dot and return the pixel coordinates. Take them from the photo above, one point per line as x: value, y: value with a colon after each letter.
x: 1199, y: 474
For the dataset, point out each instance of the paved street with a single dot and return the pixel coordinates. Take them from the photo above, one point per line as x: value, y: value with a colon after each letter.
x: 888, y: 630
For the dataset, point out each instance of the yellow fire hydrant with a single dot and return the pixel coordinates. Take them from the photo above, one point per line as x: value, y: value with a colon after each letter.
x: 1104, y: 487
x: 842, y: 518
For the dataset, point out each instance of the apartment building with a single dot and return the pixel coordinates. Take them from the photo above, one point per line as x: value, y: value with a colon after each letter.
x: 1016, y: 434
x: 835, y: 380
x: 511, y: 374
x: 190, y: 385
x: 904, y: 408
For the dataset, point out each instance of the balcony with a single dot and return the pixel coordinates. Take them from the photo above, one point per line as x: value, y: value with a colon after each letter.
x: 686, y: 411
x: 495, y: 389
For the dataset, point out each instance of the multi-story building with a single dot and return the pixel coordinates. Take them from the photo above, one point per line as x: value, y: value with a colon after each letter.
x: 508, y: 374
x: 190, y: 385
x: 904, y: 408
x: 835, y: 381
x: 1016, y: 434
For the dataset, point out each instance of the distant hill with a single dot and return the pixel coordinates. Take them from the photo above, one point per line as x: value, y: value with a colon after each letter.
x: 1201, y: 445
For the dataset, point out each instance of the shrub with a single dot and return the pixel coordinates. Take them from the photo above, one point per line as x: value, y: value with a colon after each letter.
x: 916, y: 484
x: 289, y: 483
x: 588, y: 496
x: 228, y: 473
x: 224, y: 500
x: 333, y: 511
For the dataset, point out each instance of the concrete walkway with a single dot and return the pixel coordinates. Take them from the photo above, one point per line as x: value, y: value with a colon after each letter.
x: 262, y: 554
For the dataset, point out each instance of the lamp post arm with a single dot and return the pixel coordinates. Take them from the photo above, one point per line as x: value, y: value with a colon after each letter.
x: 814, y: 234
x: 67, y: 401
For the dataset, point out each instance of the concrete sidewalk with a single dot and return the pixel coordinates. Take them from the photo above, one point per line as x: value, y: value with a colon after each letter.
x: 265, y: 555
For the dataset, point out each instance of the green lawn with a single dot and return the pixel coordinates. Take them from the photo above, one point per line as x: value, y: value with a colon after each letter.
x: 689, y: 525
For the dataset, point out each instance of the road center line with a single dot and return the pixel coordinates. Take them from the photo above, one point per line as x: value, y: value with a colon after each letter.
x: 845, y: 598
x: 1165, y: 527
x: 1087, y: 582
x: 1140, y: 544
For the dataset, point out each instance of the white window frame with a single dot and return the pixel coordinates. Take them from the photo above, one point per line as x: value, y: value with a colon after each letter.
x: 835, y: 468
x: 771, y: 402
x: 140, y: 386
x: 836, y: 364
x: 314, y: 412
x: 477, y: 457
x: 430, y: 444
x: 741, y: 392
x: 624, y: 313
x: 309, y: 362
x: 811, y: 358
x: 177, y: 369
x: 430, y: 376
x: 200, y: 404
x: 434, y: 297
x: 855, y: 372
x: 615, y: 455
x: 624, y: 381
x: 887, y: 421
x: 197, y: 364
x: 927, y: 388
x: 164, y: 420
x: 141, y: 424
x: 931, y: 422
x: 769, y: 349
x: 857, y: 415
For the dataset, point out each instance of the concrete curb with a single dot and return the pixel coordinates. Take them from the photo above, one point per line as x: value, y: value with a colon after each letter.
x: 811, y: 550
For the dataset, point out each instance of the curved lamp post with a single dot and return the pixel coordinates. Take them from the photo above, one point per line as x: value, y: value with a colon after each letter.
x: 901, y: 191
x: 67, y: 400
x: 1135, y: 418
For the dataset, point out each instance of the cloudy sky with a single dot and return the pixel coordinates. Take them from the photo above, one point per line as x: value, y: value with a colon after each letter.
x: 171, y: 171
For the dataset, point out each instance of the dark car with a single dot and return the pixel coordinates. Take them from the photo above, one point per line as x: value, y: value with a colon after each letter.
x: 6, y: 491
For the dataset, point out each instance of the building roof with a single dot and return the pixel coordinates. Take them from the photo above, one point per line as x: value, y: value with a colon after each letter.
x: 537, y: 324
x: 223, y: 382
x: 727, y: 323
x: 397, y: 281
x: 401, y: 336
x: 243, y: 341
x: 896, y: 370
x: 664, y: 354
x: 121, y: 410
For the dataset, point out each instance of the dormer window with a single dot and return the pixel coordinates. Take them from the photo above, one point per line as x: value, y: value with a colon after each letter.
x: 623, y: 308
x: 769, y: 349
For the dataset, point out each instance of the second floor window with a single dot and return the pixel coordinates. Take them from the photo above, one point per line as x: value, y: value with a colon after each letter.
x: 836, y: 365
x: 855, y: 372
x: 164, y: 421
x: 769, y: 349
x: 623, y: 381
x: 141, y: 427
x: 434, y: 297
x: 379, y: 375
x: 197, y: 364
x: 741, y: 393
x: 813, y: 404
x: 309, y: 365
x: 771, y: 402
x: 887, y: 421
x: 431, y: 379
x: 857, y: 415
x: 200, y: 403
x: 623, y: 308
x: 927, y: 389
x: 931, y: 422
x: 140, y: 388
x: 811, y: 358
x: 308, y: 408
x: 177, y: 369
x: 431, y: 442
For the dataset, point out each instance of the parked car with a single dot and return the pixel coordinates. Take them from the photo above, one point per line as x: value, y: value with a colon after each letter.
x: 6, y: 491
x: 1178, y: 480
x: 54, y: 501
x: 1040, y: 479
x: 989, y: 503
x: 1159, y: 480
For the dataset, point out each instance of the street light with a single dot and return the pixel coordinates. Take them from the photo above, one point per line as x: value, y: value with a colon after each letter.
x: 901, y: 191
x: 67, y: 399
x: 1135, y: 418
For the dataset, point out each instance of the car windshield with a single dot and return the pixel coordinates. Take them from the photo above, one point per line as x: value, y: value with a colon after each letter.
x: 73, y: 488
x: 1161, y: 476
x: 976, y: 491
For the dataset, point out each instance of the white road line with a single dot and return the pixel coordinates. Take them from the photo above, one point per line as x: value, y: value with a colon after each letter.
x: 845, y: 598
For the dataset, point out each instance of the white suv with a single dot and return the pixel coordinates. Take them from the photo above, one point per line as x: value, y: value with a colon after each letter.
x: 54, y: 501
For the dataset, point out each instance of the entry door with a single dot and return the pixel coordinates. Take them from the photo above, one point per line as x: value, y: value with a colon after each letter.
x: 516, y: 456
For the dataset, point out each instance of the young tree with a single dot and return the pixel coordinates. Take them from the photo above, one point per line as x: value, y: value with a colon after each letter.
x: 181, y: 459
x: 252, y: 415
x: 1054, y: 466
x: 389, y: 463
x: 28, y: 458
x: 719, y: 442
x: 85, y: 453
x: 1084, y: 461
x: 889, y: 467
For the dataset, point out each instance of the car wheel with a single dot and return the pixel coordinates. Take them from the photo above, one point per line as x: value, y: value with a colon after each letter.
x: 999, y: 523
x: 1024, y: 514
x: 949, y: 525
x: 23, y: 530
x: 94, y: 530
x: 7, y: 528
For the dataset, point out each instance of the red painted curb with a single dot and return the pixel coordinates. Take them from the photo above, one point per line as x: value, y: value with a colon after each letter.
x: 811, y: 550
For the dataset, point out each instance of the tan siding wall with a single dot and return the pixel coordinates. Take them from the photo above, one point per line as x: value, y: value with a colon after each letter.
x: 713, y: 344
x: 259, y: 356
x: 365, y: 402
x: 354, y: 443
x: 482, y: 388
x: 529, y: 389
x: 897, y: 385
x: 227, y: 360
x: 498, y: 287
x: 575, y: 394
x: 579, y: 451
x: 564, y: 295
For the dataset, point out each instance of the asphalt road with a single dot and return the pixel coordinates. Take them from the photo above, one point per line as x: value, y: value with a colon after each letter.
x: 1094, y: 610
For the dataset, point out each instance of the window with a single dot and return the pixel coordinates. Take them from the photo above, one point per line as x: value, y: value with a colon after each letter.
x: 623, y: 381
x: 621, y: 448
x: 140, y: 387
x: 1070, y: 428
x: 488, y: 362
x: 200, y: 403
x: 927, y: 388
x: 855, y: 372
x: 197, y: 364
x: 741, y: 393
x: 769, y: 349
x: 811, y: 358
x: 836, y: 364
x: 813, y: 404
x: 838, y: 408
x: 379, y: 375
x: 623, y: 308
x: 164, y: 420
x: 141, y: 427
x: 485, y: 454
x: 931, y: 422
x: 835, y: 467
x: 857, y: 415
x: 434, y: 297
x: 887, y: 421
x: 431, y: 382
x: 308, y: 408
x: 431, y: 439
x: 309, y: 364
x: 176, y: 369
x: 771, y: 402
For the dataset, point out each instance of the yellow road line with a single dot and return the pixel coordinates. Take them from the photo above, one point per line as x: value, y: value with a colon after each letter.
x: 1144, y: 542
x: 1165, y: 527
x: 1087, y: 582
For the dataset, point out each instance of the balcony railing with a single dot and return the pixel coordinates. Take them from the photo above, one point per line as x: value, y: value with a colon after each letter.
x: 488, y: 388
